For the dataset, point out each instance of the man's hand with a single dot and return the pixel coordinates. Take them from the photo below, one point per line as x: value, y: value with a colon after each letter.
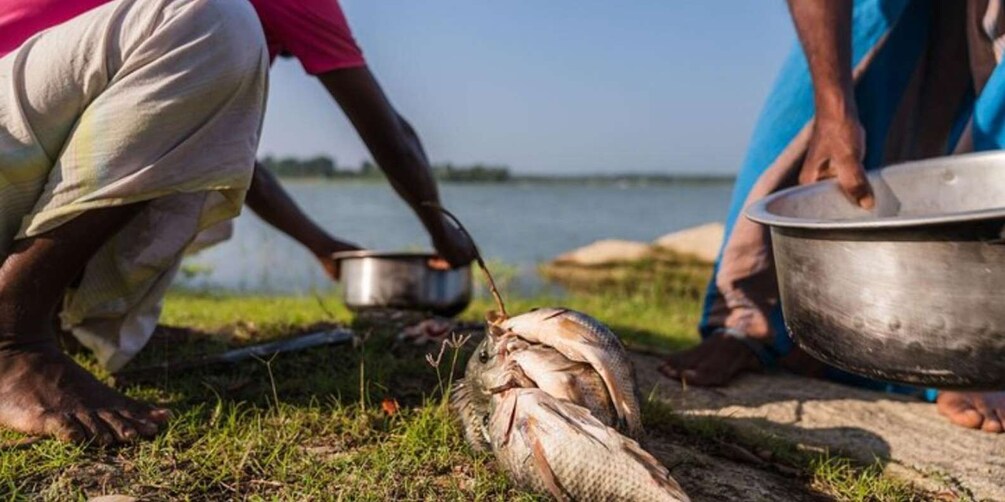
x: 454, y: 245
x: 836, y: 150
x: 324, y: 255
x: 395, y: 146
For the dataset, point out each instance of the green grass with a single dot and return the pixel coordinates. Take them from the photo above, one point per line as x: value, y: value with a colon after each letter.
x: 310, y: 425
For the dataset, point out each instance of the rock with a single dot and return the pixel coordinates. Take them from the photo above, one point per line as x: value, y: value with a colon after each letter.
x: 702, y: 242
x: 906, y: 435
x: 605, y: 252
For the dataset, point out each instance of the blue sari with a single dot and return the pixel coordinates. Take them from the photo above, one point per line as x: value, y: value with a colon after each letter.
x: 928, y: 82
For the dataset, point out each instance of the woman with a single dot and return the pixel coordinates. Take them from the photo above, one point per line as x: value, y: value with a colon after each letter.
x: 880, y: 82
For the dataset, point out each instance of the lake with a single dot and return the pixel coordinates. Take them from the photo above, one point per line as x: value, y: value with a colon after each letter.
x: 517, y: 224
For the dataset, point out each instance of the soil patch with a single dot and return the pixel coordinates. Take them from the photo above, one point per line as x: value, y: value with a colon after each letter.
x: 908, y: 436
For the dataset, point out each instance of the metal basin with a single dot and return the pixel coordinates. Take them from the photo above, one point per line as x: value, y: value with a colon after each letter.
x: 911, y: 292
x: 406, y: 281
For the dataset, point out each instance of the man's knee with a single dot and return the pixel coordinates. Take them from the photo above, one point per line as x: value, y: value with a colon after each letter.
x: 228, y: 29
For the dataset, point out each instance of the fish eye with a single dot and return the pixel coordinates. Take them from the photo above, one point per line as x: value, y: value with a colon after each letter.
x: 483, y: 356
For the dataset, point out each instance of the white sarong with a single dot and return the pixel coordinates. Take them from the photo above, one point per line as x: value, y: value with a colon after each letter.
x: 156, y: 101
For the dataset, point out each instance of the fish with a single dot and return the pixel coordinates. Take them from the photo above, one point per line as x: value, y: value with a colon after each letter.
x: 581, y: 338
x: 551, y: 445
x: 521, y: 364
x: 469, y: 396
x: 545, y: 368
x: 471, y: 407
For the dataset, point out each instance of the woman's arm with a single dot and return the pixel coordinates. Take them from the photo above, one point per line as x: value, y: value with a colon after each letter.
x: 837, y: 146
x: 397, y: 150
x: 267, y: 198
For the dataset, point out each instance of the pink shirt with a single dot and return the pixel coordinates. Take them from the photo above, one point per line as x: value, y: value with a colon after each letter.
x: 313, y: 31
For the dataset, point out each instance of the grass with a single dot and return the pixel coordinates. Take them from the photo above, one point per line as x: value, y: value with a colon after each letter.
x: 824, y: 472
x: 367, y: 422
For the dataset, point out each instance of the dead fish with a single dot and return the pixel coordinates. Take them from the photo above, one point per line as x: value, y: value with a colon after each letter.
x: 521, y: 364
x: 551, y: 445
x: 582, y: 338
x: 545, y: 368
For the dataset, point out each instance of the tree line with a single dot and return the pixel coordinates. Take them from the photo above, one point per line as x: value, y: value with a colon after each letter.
x: 326, y: 167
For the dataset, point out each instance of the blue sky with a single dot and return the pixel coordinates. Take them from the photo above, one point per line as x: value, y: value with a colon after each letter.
x: 553, y: 86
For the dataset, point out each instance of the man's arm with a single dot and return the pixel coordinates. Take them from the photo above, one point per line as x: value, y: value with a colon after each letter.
x: 267, y: 198
x: 838, y: 143
x: 397, y: 150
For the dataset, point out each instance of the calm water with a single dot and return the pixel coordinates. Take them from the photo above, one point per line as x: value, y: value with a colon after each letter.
x: 517, y: 224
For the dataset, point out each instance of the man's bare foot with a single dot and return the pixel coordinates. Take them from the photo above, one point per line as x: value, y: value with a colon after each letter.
x: 974, y: 410
x: 43, y: 392
x: 720, y: 358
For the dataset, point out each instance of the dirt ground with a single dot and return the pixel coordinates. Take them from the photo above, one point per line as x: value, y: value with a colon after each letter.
x: 907, y: 436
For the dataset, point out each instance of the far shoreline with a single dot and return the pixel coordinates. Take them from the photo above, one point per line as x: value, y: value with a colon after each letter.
x: 586, y: 180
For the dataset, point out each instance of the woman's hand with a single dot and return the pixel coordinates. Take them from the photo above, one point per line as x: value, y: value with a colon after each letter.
x: 837, y: 146
x: 454, y: 245
x: 836, y: 150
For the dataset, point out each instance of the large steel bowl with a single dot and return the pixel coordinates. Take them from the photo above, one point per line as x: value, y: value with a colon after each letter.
x: 406, y: 281
x: 911, y: 292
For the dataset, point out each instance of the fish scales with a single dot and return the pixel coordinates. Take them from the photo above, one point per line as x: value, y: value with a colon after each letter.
x: 554, y: 446
x: 471, y: 407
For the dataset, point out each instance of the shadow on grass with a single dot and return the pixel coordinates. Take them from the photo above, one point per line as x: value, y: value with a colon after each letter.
x: 366, y: 373
x: 733, y: 459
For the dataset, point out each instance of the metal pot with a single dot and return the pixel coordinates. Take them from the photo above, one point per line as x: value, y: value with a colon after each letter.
x: 406, y: 281
x: 913, y: 291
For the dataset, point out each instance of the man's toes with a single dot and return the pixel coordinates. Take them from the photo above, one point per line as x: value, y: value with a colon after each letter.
x: 160, y: 415
x: 143, y: 425
x: 122, y: 427
x: 97, y: 431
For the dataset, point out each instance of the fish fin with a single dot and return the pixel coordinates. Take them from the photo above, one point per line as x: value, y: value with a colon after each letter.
x: 579, y: 333
x: 659, y: 473
x: 558, y: 311
x: 511, y: 421
x: 543, y: 466
x: 513, y: 377
x: 460, y: 394
x: 575, y: 417
x: 622, y: 403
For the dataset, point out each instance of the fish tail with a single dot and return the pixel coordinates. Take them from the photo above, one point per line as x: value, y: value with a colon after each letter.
x: 659, y: 474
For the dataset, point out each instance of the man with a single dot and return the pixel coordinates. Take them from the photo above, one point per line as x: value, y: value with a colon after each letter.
x: 125, y: 132
x: 880, y: 82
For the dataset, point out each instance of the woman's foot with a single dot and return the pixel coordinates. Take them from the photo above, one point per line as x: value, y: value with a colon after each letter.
x: 713, y: 363
x: 974, y: 410
x: 721, y: 358
x: 43, y: 392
